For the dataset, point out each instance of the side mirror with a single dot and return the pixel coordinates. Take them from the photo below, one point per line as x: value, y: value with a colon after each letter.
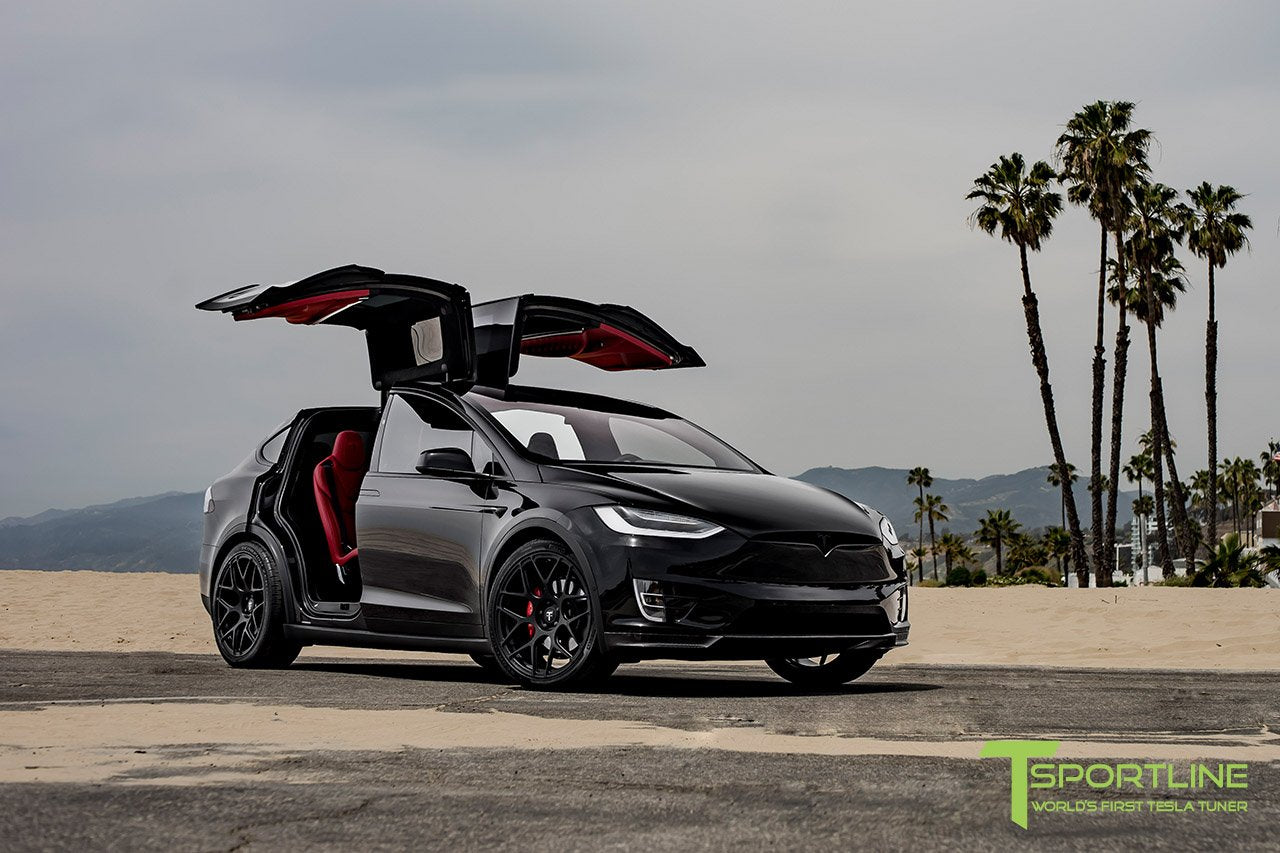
x: 446, y: 462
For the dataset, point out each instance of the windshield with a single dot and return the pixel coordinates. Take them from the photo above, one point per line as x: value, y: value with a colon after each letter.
x: 569, y: 434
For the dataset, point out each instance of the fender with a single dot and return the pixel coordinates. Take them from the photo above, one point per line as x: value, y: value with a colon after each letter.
x: 559, y: 526
x: 271, y: 542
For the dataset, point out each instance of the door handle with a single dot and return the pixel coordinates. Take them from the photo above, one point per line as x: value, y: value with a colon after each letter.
x: 370, y: 493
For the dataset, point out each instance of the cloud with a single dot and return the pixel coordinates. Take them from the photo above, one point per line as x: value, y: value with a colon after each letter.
x: 782, y: 188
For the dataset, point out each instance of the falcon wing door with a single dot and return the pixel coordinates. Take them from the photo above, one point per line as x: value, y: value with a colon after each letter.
x: 415, y: 327
x: 610, y: 337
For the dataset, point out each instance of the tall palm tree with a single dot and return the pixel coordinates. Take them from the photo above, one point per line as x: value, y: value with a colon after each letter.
x: 1020, y: 205
x: 932, y: 509
x: 1138, y: 469
x: 1215, y: 231
x: 1055, y: 480
x: 1156, y: 230
x: 1102, y: 158
x: 920, y: 477
x: 995, y: 529
x: 1270, y: 459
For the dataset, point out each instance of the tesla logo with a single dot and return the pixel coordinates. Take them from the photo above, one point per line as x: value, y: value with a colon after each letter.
x: 824, y: 544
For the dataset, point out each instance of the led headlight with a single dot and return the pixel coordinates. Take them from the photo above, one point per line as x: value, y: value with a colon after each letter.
x: 887, y: 531
x: 647, y: 522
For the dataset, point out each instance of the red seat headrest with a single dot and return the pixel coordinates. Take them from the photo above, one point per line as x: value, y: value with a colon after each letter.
x: 348, y: 450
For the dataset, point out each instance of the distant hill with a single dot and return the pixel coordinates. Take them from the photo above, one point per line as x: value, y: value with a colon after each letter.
x: 161, y: 533
x: 1026, y: 494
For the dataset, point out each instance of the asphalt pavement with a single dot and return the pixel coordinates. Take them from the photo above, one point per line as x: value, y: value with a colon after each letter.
x: 632, y: 797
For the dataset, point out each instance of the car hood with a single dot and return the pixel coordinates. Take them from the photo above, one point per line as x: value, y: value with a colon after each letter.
x: 748, y: 502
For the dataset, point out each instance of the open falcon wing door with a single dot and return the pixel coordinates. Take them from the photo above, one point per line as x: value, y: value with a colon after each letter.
x: 415, y: 327
x: 610, y: 337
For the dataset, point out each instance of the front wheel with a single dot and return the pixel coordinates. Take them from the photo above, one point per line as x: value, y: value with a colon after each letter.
x: 247, y: 607
x: 825, y: 671
x: 543, y: 623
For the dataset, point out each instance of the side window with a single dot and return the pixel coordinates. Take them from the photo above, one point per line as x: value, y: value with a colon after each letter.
x: 270, y: 450
x: 415, y: 424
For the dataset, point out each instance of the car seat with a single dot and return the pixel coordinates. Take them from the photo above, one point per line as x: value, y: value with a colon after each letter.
x: 337, y: 482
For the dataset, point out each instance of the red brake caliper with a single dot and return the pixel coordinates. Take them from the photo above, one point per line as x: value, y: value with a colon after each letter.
x: 528, y: 610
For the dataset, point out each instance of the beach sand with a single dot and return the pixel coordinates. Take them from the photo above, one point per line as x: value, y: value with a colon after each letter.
x: 1151, y: 627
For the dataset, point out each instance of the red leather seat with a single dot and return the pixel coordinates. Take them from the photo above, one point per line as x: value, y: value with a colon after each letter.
x: 337, y: 482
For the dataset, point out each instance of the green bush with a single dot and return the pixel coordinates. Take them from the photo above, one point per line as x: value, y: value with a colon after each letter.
x: 979, y: 578
x: 1038, y: 574
x: 959, y: 576
x: 1174, y: 581
x: 929, y: 583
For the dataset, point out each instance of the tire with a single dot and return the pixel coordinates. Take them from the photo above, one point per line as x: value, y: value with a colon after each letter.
x: 247, y: 610
x: 544, y: 621
x: 490, y: 665
x: 826, y: 671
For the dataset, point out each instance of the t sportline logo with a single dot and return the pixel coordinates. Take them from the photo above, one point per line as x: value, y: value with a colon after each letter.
x: 1127, y: 777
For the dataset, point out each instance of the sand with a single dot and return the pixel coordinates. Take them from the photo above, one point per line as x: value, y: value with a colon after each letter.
x: 1151, y: 627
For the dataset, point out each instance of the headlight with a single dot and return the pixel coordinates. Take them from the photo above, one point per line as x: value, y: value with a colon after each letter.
x: 887, y: 531
x: 208, y: 499
x: 648, y: 522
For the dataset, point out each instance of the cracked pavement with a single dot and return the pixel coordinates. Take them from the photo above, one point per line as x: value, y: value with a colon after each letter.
x: 187, y: 793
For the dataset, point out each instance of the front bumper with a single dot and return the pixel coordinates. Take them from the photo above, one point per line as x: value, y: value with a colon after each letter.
x: 732, y: 597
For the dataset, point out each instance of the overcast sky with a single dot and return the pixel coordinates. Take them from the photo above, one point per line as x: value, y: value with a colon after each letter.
x: 781, y: 185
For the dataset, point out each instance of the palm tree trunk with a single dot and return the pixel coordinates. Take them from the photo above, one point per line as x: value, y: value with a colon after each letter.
x: 1157, y: 435
x: 1119, y: 375
x: 1211, y: 406
x: 999, y: 557
x: 921, y: 548
x: 933, y: 548
x: 1183, y: 531
x: 1099, y: 383
x: 1041, y: 362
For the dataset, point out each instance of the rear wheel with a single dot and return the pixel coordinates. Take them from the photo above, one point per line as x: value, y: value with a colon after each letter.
x: 247, y: 607
x: 824, y: 671
x: 543, y: 621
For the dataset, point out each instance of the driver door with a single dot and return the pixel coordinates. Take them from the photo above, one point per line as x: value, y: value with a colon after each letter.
x: 420, y: 534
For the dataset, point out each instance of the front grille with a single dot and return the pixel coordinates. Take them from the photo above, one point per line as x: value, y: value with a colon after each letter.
x: 824, y: 562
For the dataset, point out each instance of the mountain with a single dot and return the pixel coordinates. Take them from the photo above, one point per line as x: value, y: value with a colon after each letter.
x: 161, y: 533
x: 1026, y: 494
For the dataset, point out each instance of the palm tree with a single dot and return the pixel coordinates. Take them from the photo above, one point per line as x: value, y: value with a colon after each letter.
x: 1140, y: 468
x: 1056, y: 481
x: 1156, y: 230
x: 920, y: 477
x: 1058, y: 543
x: 953, y: 548
x: 918, y: 554
x: 932, y: 509
x: 995, y: 528
x: 1102, y: 159
x: 1231, y: 565
x: 1215, y: 231
x: 1021, y: 205
x: 1270, y: 459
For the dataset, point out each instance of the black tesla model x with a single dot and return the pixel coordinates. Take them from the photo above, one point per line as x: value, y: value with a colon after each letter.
x: 550, y: 534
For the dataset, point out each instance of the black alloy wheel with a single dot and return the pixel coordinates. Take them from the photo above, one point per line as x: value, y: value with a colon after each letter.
x: 542, y: 619
x: 247, y: 607
x: 830, y: 670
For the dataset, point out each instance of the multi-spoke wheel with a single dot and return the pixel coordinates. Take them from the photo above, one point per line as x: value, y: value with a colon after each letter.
x: 248, y: 610
x: 542, y: 621
x: 830, y: 670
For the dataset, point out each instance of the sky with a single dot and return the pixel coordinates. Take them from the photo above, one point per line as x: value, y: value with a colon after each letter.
x: 781, y: 185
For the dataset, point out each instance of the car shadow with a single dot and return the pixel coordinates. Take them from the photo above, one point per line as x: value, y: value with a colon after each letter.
x: 699, y: 684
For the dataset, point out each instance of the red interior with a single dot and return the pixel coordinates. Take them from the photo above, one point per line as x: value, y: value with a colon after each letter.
x: 604, y: 347
x: 336, y: 491
x: 309, y: 309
